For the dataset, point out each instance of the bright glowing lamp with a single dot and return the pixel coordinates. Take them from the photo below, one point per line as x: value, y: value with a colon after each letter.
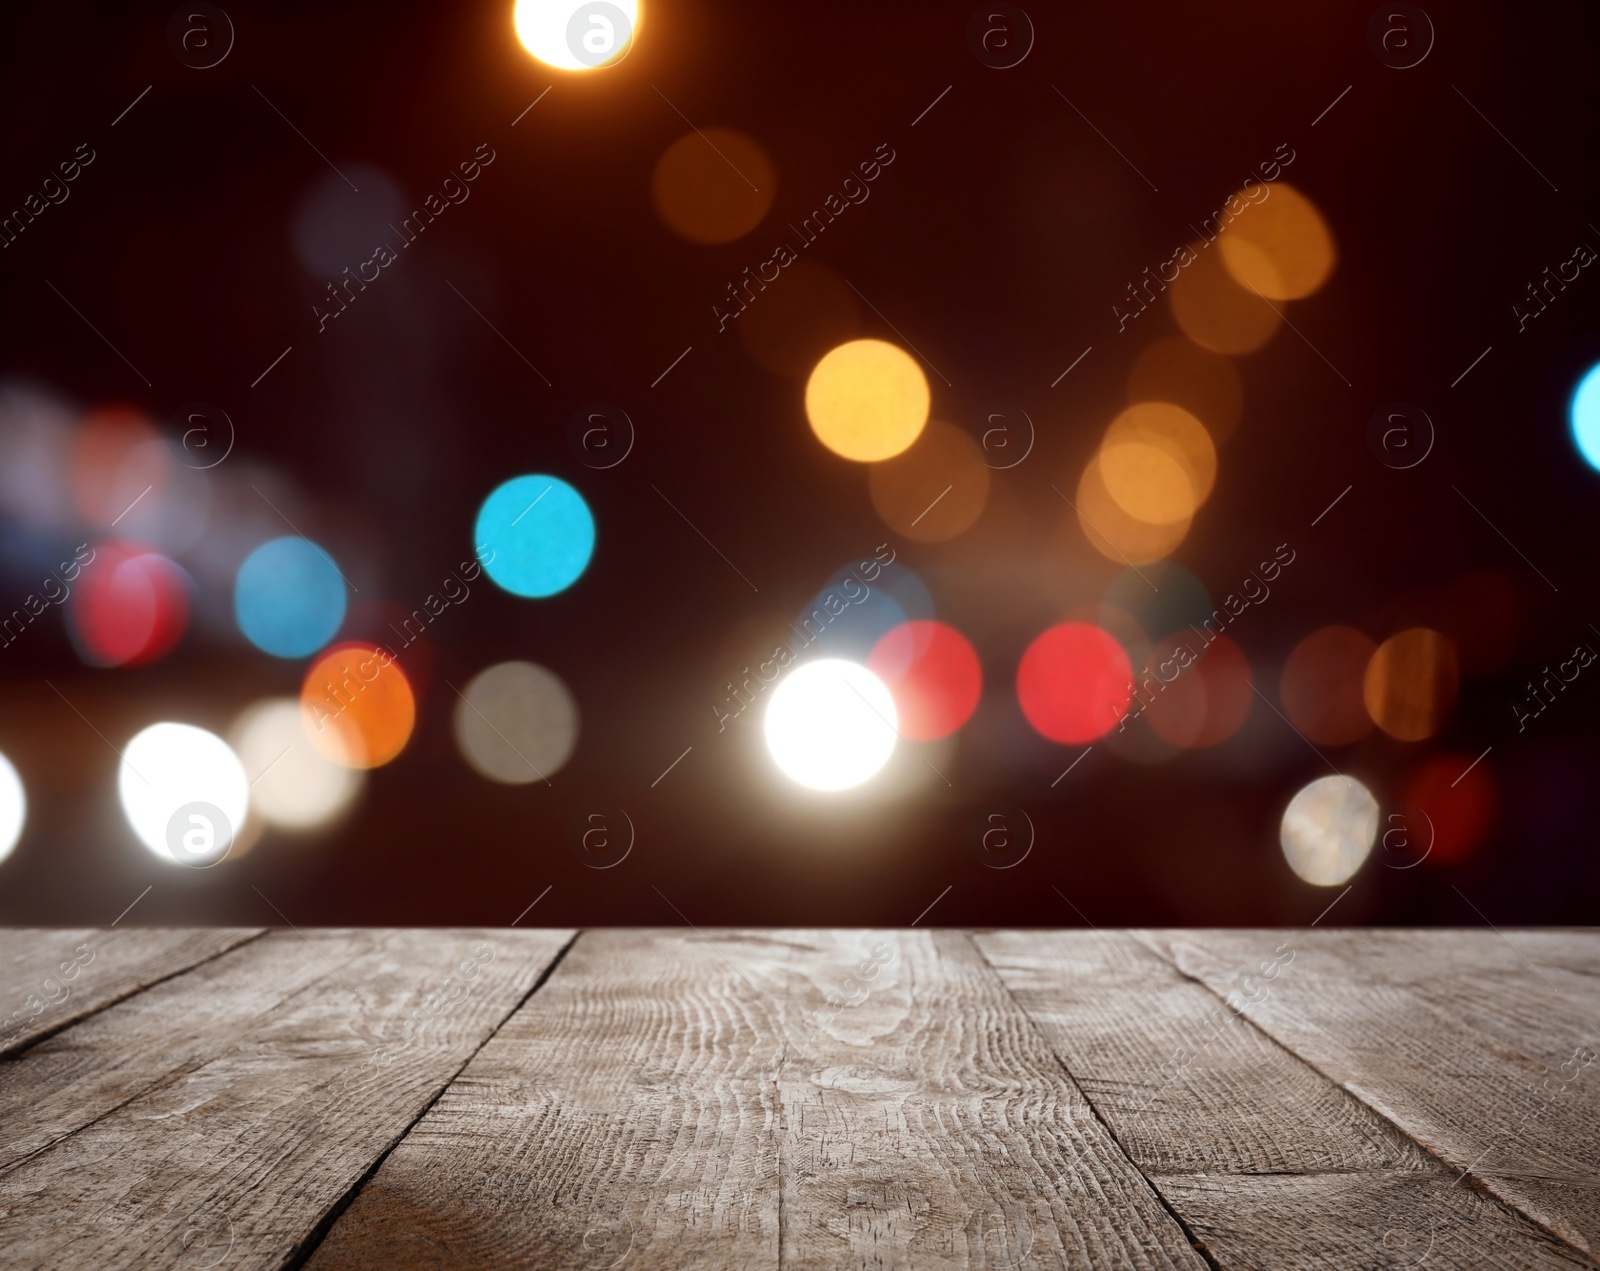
x: 13, y: 807
x: 576, y: 35
x: 184, y: 792
x: 831, y: 724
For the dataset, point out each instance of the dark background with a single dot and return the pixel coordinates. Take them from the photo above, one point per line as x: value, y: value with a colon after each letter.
x: 996, y: 242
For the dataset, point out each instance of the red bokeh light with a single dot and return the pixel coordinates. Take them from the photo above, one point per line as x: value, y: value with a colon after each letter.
x: 1206, y: 702
x: 129, y: 606
x: 934, y: 675
x: 1074, y: 682
x: 1460, y: 808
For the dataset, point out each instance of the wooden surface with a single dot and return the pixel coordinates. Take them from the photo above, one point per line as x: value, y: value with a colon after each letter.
x: 809, y: 1099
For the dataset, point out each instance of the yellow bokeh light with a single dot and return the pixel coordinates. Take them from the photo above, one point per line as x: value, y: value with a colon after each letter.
x: 867, y: 400
x: 713, y: 185
x: 936, y: 489
x: 577, y: 35
x: 1215, y: 311
x: 1281, y: 246
x: 1411, y: 683
x: 1204, y: 383
x: 1115, y: 534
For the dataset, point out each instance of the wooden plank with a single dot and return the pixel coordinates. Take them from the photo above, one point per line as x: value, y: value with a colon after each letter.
x: 272, y: 1113
x: 628, y: 1112
x: 52, y: 977
x: 1266, y: 1161
x: 1449, y: 1035
x: 636, y: 1109
x: 928, y: 1126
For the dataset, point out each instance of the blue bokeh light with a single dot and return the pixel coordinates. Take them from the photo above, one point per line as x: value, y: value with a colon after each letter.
x: 1586, y: 416
x: 534, y: 535
x: 852, y: 612
x: 289, y: 597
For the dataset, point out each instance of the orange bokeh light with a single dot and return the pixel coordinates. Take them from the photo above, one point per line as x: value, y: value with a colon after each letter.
x: 1115, y: 534
x: 936, y: 489
x: 713, y: 185
x: 357, y: 705
x: 1410, y: 683
x: 1215, y: 311
x: 1280, y: 246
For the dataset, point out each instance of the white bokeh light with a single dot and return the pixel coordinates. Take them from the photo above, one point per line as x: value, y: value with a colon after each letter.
x: 13, y: 807
x: 576, y: 35
x: 294, y: 786
x: 831, y: 724
x: 184, y: 792
x: 1328, y: 830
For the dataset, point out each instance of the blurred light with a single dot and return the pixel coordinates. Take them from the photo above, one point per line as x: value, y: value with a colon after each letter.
x: 576, y: 35
x: 936, y: 489
x: 174, y: 515
x: 795, y: 324
x: 867, y: 400
x: 1113, y: 532
x: 129, y: 607
x: 1179, y: 371
x: 1585, y: 416
x: 1321, y: 688
x: 118, y: 462
x: 36, y: 434
x: 1410, y: 683
x: 1163, y: 597
x: 534, y: 535
x: 830, y: 724
x: 1074, y: 682
x: 934, y: 675
x: 1216, y: 312
x: 13, y: 807
x: 1204, y: 703
x: 516, y: 722
x: 850, y: 614
x: 358, y: 705
x: 334, y: 228
x: 184, y: 792
x: 1458, y: 798
x: 1328, y: 829
x: 1178, y: 435
x: 293, y: 785
x: 1280, y: 246
x: 289, y: 597
x: 713, y: 186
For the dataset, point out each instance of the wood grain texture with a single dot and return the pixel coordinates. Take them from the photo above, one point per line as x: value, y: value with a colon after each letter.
x: 626, y: 1115
x: 271, y: 1112
x: 52, y: 977
x: 1267, y: 1162
x: 927, y: 1125
x: 1453, y: 1037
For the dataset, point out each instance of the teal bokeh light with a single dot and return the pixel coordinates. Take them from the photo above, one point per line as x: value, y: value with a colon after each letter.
x: 534, y: 535
x: 1586, y: 416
